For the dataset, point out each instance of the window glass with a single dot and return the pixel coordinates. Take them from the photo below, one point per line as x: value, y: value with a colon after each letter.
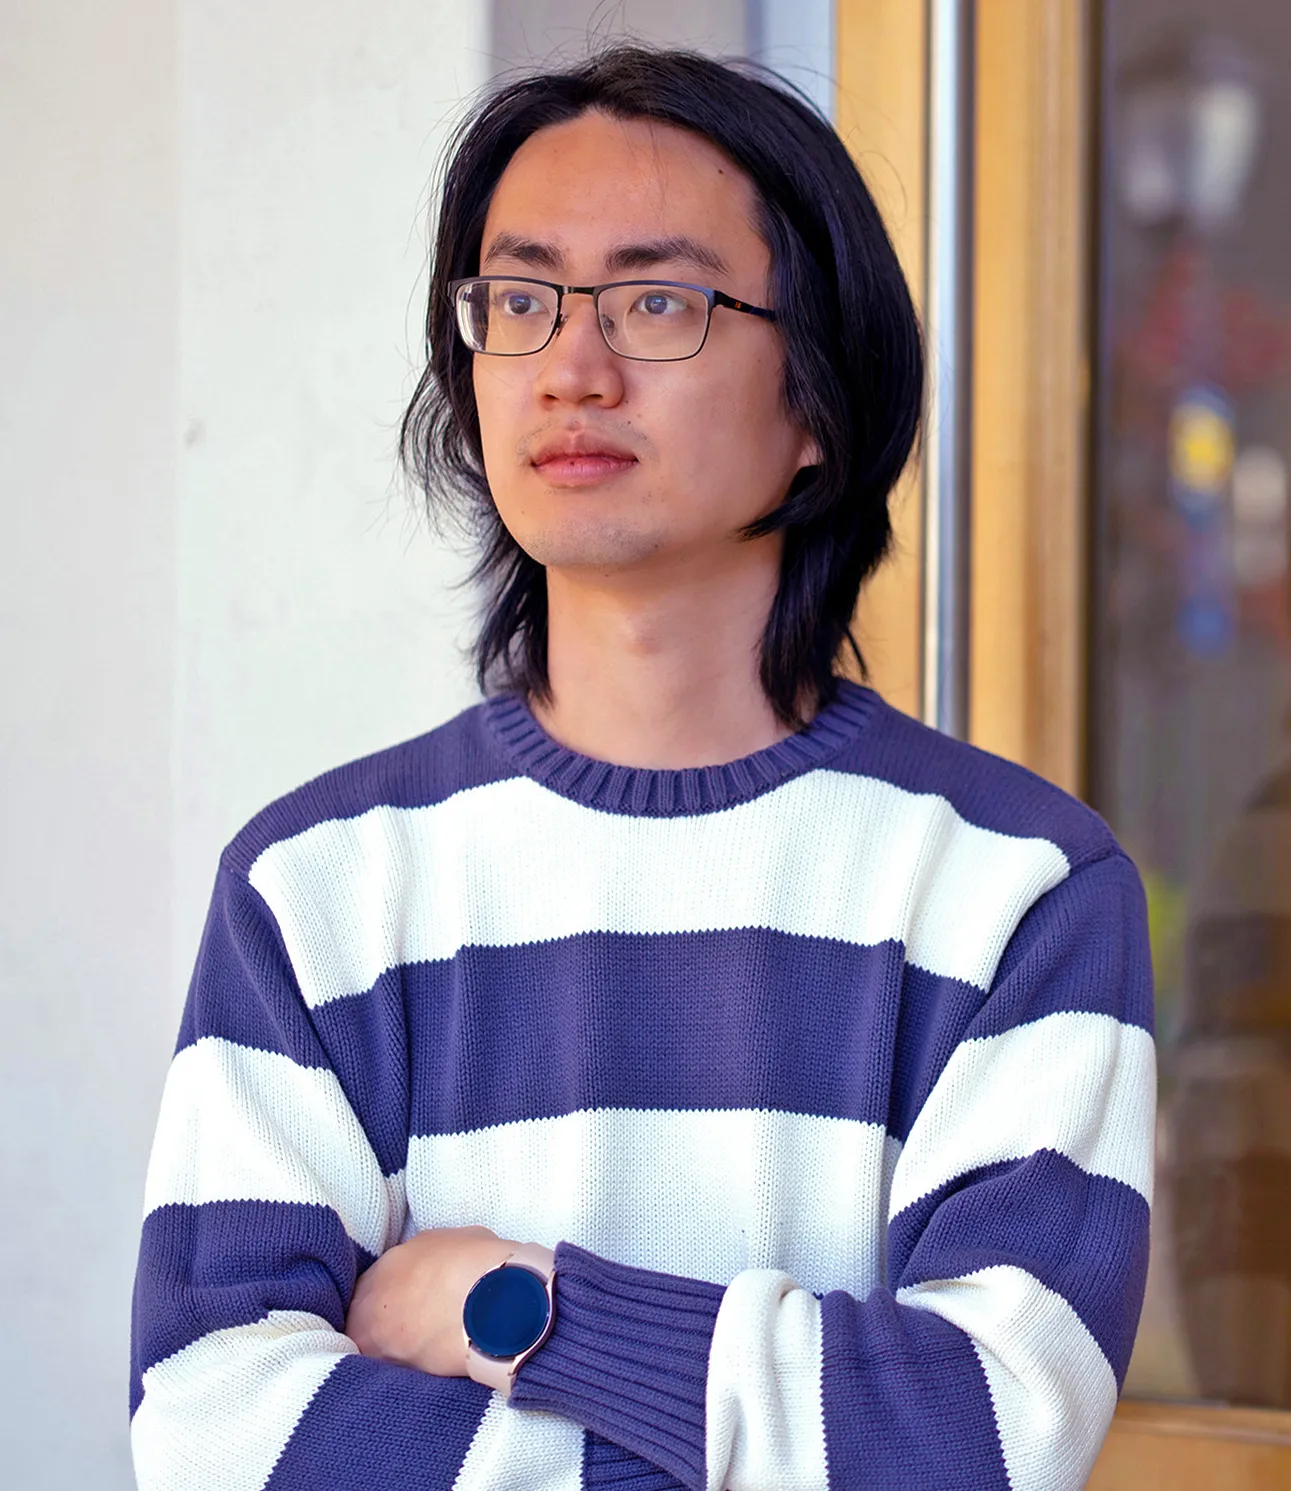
x: 1191, y: 750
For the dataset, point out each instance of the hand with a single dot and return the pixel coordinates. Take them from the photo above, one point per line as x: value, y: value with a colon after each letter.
x: 407, y: 1308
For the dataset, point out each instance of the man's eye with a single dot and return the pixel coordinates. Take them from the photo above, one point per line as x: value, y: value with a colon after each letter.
x: 659, y: 303
x: 519, y: 304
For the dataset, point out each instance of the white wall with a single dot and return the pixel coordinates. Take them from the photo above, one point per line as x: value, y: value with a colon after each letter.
x: 316, y: 619
x: 795, y: 37
x: 88, y: 289
x: 525, y: 31
x: 208, y: 591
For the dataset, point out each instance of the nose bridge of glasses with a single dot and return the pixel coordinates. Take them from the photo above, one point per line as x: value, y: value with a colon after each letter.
x: 562, y: 307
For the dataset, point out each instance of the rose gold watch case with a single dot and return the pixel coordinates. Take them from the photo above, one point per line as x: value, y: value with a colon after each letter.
x: 498, y: 1372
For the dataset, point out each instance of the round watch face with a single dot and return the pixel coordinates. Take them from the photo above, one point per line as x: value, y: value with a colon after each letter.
x: 506, y: 1312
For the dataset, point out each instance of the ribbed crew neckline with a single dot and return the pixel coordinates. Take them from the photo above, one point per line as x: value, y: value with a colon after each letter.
x: 650, y: 792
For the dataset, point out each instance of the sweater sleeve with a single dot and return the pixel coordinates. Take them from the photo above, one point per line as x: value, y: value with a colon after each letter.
x: 1016, y: 1262
x: 264, y: 1201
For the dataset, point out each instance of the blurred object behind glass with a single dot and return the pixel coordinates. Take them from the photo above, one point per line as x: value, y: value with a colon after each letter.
x: 1192, y: 622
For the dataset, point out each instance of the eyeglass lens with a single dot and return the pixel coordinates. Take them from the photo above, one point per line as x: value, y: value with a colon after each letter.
x: 655, y: 323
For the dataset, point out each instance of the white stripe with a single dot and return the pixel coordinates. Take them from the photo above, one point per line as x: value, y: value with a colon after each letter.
x: 828, y: 854
x: 703, y: 1194
x: 514, y: 1451
x: 1051, y: 1387
x: 217, y: 1415
x: 238, y: 1124
x: 1078, y: 1083
x: 764, y: 1414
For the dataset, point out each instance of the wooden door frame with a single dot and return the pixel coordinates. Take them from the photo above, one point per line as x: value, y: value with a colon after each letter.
x: 1037, y: 115
x: 881, y: 116
x: 1032, y: 295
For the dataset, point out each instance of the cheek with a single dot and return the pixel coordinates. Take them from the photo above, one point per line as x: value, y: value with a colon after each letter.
x: 490, y: 406
x: 742, y: 403
x: 746, y: 421
x: 502, y: 403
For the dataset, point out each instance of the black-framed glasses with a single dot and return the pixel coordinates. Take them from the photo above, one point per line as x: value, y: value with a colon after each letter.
x: 647, y: 320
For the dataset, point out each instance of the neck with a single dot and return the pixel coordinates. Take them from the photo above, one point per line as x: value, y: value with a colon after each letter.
x: 662, y: 677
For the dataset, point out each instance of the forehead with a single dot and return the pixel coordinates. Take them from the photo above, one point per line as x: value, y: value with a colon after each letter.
x: 592, y: 182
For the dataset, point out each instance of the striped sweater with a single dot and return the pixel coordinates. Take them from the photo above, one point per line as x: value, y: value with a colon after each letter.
x: 829, y: 1071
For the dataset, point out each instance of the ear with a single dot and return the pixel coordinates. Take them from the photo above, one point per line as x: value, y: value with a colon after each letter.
x: 808, y: 452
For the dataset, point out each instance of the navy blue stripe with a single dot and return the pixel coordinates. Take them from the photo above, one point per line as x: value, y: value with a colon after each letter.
x: 1083, y: 1236
x: 641, y: 1021
x: 983, y: 789
x: 1083, y: 946
x: 243, y: 988
x: 905, y: 1400
x: 374, y: 1425
x: 687, y: 1021
x: 691, y: 1021
x: 415, y: 774
x: 244, y: 991
x: 931, y: 1018
x: 609, y: 1467
x: 367, y: 1038
x: 225, y: 1263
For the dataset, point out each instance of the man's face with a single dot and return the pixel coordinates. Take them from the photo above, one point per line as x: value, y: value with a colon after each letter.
x: 599, y: 462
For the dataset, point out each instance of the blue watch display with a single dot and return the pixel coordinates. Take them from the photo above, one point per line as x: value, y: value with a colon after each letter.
x: 506, y: 1311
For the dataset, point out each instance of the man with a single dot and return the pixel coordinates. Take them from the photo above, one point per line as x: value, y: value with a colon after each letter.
x: 680, y: 1069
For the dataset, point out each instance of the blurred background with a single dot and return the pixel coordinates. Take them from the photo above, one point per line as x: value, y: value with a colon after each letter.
x: 212, y: 586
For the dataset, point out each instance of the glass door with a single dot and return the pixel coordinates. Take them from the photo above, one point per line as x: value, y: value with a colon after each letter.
x: 1191, y: 618
x: 1131, y: 616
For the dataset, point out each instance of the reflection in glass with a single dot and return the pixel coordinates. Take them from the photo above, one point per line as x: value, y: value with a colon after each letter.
x: 1231, y: 1112
x: 1192, y: 748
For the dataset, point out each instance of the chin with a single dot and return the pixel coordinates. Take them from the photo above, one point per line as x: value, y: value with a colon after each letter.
x: 601, y: 545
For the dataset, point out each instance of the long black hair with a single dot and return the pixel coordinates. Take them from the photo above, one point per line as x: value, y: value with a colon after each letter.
x: 853, y: 361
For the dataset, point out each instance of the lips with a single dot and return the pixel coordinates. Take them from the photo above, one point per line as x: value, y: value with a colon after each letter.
x: 581, y: 462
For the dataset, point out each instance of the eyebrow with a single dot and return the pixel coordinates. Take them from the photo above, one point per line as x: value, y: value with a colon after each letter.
x: 524, y: 250
x: 627, y: 257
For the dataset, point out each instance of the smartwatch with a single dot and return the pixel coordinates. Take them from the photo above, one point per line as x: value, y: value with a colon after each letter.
x: 508, y: 1314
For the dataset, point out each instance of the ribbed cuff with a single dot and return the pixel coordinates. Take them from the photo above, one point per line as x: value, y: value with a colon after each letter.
x: 628, y: 1359
x: 609, y: 1467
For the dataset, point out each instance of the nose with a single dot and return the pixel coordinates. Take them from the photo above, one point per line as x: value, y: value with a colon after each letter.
x: 577, y: 366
